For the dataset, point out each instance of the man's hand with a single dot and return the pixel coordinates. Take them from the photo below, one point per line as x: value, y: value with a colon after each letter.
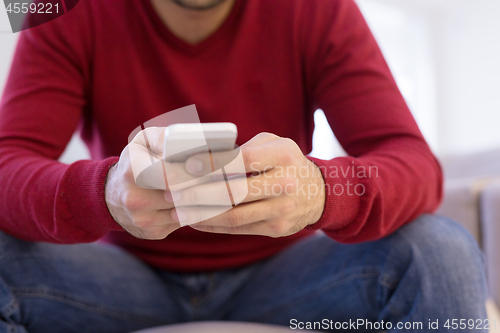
x: 285, y: 191
x: 144, y: 213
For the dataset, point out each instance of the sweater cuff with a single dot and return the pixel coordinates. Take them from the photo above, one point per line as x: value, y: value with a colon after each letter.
x: 85, y: 195
x: 342, y: 202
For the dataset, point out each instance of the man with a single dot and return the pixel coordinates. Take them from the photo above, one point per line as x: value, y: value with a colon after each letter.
x: 109, y: 66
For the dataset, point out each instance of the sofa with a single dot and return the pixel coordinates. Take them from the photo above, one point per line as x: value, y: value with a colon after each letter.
x: 472, y: 198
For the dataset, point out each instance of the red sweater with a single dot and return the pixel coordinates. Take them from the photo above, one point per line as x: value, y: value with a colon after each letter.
x: 106, y: 67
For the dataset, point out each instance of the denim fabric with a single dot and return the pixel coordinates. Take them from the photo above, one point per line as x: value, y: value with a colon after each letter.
x: 430, y: 269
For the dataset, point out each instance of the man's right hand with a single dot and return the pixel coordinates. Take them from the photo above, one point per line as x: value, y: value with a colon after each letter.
x: 144, y: 213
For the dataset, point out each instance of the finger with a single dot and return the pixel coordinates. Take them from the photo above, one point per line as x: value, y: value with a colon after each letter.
x: 271, y: 228
x: 210, y: 194
x: 260, y: 139
x: 176, y: 175
x: 139, y: 199
x: 260, y: 228
x: 154, y: 138
x: 154, y: 220
x: 236, y: 191
x: 264, y: 218
x: 269, y: 155
x: 146, y: 158
x: 202, y: 164
x: 190, y: 215
x: 163, y: 175
x: 158, y: 227
x: 163, y: 218
x: 256, y: 158
x: 205, y: 163
x: 231, y: 217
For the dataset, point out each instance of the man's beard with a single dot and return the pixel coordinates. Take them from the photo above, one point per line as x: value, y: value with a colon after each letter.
x: 187, y: 4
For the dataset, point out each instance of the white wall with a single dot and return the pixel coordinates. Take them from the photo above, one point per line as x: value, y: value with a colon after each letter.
x: 76, y: 150
x: 7, y: 44
x: 463, y: 55
x: 404, y: 37
x: 468, y: 54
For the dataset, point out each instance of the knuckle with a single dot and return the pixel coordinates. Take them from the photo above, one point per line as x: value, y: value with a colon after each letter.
x: 286, y: 157
x: 144, y: 136
x: 142, y: 223
x: 287, y: 183
x: 132, y: 202
x: 266, y: 135
x: 239, y: 192
x: 248, y: 157
x: 289, y: 142
x: 286, y: 207
x: 154, y: 234
x: 292, y: 145
x: 209, y: 228
x: 158, y: 138
x: 189, y: 196
x: 194, y: 215
x: 278, y: 228
x: 262, y: 135
x: 271, y: 135
x: 289, y: 153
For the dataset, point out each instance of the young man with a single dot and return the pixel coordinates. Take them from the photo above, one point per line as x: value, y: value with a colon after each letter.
x: 109, y: 66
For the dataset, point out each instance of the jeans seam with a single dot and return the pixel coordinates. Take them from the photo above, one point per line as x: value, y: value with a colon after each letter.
x: 365, y: 273
x: 10, y: 309
x: 57, y: 296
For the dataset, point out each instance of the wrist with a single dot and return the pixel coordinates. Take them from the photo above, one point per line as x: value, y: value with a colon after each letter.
x: 341, y: 206
x: 319, y: 189
x: 109, y: 189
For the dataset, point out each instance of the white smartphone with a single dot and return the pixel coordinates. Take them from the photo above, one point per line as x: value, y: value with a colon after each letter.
x: 185, y: 140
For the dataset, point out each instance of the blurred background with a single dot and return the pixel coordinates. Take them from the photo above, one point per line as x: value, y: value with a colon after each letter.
x: 444, y: 55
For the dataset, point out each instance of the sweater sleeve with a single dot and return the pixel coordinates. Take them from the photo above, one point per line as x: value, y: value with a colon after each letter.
x: 40, y: 198
x: 390, y: 175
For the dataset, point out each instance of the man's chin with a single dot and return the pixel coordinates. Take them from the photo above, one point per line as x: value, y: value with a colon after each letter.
x: 198, y: 4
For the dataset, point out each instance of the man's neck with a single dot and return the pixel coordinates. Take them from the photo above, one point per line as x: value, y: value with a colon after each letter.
x: 190, y: 25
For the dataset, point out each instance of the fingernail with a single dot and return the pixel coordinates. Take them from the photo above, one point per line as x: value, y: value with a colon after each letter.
x: 194, y: 166
x: 181, y: 216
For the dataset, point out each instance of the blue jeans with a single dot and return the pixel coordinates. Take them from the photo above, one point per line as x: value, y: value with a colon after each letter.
x: 430, y: 269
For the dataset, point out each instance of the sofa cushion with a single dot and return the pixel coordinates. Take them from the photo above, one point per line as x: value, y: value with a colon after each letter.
x: 478, y: 165
x: 461, y: 203
x: 490, y: 214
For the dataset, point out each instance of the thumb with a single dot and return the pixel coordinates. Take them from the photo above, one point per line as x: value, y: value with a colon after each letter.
x: 151, y: 138
x: 260, y: 139
x: 205, y: 163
